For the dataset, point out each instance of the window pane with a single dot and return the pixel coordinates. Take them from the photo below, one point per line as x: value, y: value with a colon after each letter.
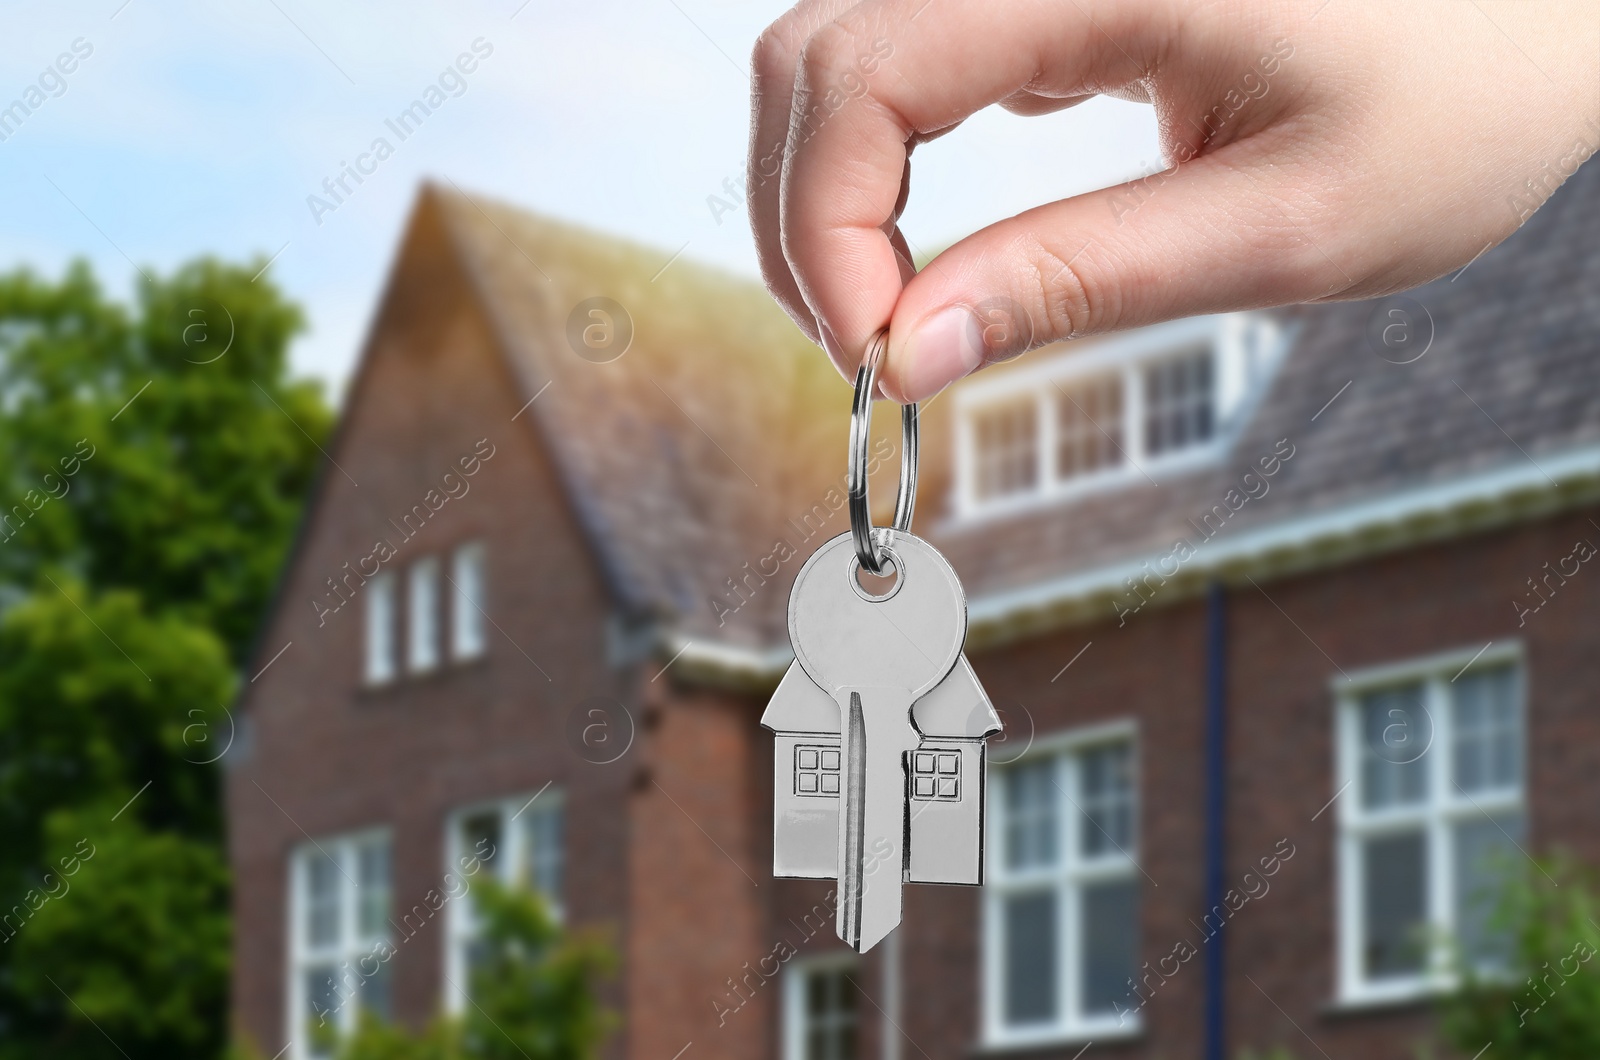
x: 1030, y: 817
x: 1110, y: 941
x: 1028, y: 965
x: 831, y: 1016
x: 375, y: 993
x: 467, y: 635
x: 1106, y: 798
x: 1178, y: 403
x: 372, y: 897
x: 1486, y: 858
x: 1394, y: 890
x: 1395, y: 733
x: 380, y: 628
x: 1006, y: 443
x: 476, y: 953
x: 1089, y: 427
x: 541, y: 850
x: 423, y: 614
x: 321, y: 988
x: 481, y: 837
x: 322, y: 901
x: 1488, y: 730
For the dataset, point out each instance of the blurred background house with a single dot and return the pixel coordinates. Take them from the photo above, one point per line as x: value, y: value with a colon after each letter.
x: 1284, y: 614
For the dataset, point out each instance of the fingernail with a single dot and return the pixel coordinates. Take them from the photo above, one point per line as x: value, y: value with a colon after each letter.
x: 835, y: 352
x: 941, y: 349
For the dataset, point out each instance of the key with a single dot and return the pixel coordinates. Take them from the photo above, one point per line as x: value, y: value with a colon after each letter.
x: 875, y: 656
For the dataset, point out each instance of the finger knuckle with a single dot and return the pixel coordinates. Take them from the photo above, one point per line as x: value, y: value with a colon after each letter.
x: 1070, y: 297
x: 826, y: 56
x: 772, y: 58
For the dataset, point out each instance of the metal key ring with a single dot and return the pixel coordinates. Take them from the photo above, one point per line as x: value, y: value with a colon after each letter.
x: 868, y: 548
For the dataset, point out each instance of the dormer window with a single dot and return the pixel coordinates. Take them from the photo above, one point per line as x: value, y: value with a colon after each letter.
x: 1179, y: 402
x: 1006, y: 439
x: 1108, y: 413
x: 1088, y: 424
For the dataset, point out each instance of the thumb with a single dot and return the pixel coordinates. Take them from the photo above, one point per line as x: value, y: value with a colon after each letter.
x: 1210, y: 235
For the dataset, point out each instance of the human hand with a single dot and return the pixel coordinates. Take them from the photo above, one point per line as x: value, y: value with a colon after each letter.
x: 1317, y: 150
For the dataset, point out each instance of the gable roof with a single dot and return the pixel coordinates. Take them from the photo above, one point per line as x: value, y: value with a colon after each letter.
x: 684, y: 452
x: 686, y: 455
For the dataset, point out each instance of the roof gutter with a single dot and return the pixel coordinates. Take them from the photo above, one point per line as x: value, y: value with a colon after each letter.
x: 1467, y: 504
x: 1320, y: 539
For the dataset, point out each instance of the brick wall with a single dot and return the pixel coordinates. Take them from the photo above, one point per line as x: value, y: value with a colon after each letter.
x: 336, y: 757
x: 699, y: 879
x: 1395, y: 608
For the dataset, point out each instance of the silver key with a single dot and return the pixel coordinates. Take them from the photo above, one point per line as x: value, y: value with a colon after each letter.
x: 879, y: 725
x: 875, y: 656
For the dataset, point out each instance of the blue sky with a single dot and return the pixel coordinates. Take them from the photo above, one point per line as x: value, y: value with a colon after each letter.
x: 203, y: 127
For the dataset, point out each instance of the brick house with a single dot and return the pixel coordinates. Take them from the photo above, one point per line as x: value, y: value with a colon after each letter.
x: 1282, y: 612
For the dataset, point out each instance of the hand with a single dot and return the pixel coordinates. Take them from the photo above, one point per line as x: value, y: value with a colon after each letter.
x: 1316, y: 150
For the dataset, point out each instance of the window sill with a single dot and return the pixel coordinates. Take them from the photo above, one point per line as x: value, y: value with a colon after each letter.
x: 408, y: 680
x: 1419, y: 997
x: 1045, y: 1041
x: 971, y: 512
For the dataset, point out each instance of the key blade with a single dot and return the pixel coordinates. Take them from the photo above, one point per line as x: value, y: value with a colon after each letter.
x: 852, y: 814
x: 872, y: 817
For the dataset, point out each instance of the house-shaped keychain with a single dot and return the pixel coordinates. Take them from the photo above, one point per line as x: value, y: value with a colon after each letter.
x: 944, y: 779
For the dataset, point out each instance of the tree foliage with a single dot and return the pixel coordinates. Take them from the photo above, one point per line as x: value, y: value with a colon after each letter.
x: 532, y: 989
x: 153, y: 461
x: 1546, y: 1004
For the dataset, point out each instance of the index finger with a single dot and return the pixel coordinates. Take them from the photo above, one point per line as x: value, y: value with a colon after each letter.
x: 889, y: 70
x: 772, y: 74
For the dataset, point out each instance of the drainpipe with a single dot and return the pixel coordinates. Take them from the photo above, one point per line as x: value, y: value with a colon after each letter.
x: 891, y: 996
x: 1216, y: 812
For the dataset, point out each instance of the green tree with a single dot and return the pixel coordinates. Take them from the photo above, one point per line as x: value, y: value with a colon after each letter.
x: 1545, y: 1005
x: 153, y: 462
x: 204, y: 450
x: 532, y: 988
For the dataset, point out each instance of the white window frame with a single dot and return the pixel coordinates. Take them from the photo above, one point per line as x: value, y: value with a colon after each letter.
x: 344, y: 850
x: 469, y: 632
x: 794, y: 996
x: 1245, y: 348
x: 1068, y: 875
x: 380, y: 631
x: 1043, y: 434
x: 1437, y: 815
x: 424, y: 604
x: 508, y: 860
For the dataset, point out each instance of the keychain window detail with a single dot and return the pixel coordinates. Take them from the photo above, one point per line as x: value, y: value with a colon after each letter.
x: 816, y: 771
x: 936, y: 776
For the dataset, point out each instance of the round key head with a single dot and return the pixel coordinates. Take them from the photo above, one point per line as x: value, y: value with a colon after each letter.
x: 909, y: 637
